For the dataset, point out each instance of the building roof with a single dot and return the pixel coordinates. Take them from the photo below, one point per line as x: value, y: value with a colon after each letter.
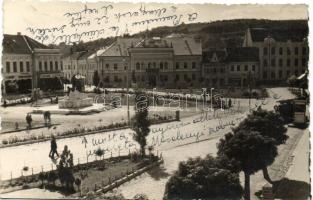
x: 20, y: 44
x: 120, y: 47
x: 281, y: 35
x: 85, y: 55
x: 208, y: 55
x: 180, y: 45
x: 243, y: 54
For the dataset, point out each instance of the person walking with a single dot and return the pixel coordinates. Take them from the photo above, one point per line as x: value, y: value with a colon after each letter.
x: 53, y: 148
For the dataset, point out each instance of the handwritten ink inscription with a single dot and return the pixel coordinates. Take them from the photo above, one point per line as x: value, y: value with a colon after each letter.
x: 90, y: 23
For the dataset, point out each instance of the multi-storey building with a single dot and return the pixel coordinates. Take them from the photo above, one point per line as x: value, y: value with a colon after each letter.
x: 154, y: 62
x: 28, y: 64
x: 235, y: 67
x: 282, y: 53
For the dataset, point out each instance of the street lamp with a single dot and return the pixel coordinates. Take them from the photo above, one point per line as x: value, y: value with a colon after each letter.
x: 212, y: 99
x: 127, y: 89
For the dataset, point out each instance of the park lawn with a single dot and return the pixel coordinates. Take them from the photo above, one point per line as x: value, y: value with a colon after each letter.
x: 96, y: 178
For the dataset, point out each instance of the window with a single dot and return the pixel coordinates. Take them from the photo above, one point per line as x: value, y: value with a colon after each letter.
x: 115, y: 66
x: 137, y: 66
x: 7, y: 64
x: 238, y: 68
x: 288, y: 62
x: 273, y: 63
x: 296, y: 51
x: 51, y: 66
x: 273, y: 75
x: 154, y: 64
x: 14, y: 67
x: 61, y: 65
x: 296, y: 72
x: 40, y: 66
x: 222, y: 70
x: 296, y: 62
x: 165, y: 78
x: 149, y: 65
x: 288, y: 72
x: 303, y: 50
x: 166, y: 65
x: 303, y: 62
x: 288, y: 51
x: 46, y: 66
x: 253, y: 67
x: 280, y: 50
x: 265, y: 63
x: 193, y: 65
x: 265, y: 51
x: 115, y: 78
x: 273, y: 51
x: 193, y: 76
x: 185, y: 65
x: 264, y: 74
x: 27, y: 66
x: 246, y: 67
x: 161, y: 65
x: 280, y: 62
x: 177, y: 65
x: 186, y: 77
x: 21, y: 66
x: 280, y: 74
x: 56, y: 64
x: 107, y: 65
x: 214, y: 70
x: 232, y: 68
x: 177, y: 77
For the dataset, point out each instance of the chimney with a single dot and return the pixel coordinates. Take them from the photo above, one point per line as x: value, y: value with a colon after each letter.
x: 18, y: 33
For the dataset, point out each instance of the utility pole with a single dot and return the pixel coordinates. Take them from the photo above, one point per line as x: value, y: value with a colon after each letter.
x: 127, y: 89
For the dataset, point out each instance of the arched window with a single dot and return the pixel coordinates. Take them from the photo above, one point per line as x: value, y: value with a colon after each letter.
x: 137, y: 66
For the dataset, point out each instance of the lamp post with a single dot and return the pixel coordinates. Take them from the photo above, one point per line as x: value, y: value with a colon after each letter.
x: 127, y: 89
x: 212, y: 99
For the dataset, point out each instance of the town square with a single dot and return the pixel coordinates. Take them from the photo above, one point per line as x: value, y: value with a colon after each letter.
x: 154, y: 101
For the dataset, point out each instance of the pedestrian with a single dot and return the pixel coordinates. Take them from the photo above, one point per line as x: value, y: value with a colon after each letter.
x: 53, y: 148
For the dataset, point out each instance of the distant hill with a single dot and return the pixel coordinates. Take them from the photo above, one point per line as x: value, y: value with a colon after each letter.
x: 218, y: 34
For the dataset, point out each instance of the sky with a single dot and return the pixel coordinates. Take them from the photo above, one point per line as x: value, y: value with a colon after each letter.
x: 62, y: 21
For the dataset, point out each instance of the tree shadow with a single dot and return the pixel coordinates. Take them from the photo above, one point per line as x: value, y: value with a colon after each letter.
x: 291, y: 189
x: 158, y: 172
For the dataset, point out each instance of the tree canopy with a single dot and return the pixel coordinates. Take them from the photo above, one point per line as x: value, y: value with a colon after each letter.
x: 203, y: 179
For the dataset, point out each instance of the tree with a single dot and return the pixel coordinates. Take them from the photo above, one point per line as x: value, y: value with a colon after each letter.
x: 140, y: 122
x: 268, y: 124
x: 96, y: 79
x: 207, y: 178
x: 250, y: 150
x: 65, y: 168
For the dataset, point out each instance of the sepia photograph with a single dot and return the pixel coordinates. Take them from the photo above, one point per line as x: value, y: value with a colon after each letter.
x: 154, y: 101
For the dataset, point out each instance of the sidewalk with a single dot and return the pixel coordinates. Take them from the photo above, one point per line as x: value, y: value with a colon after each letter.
x: 299, y: 170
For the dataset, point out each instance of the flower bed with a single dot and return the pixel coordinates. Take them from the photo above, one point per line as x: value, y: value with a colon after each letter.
x: 78, y: 132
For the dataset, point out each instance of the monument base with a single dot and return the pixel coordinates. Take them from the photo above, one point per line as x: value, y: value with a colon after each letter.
x: 75, y: 100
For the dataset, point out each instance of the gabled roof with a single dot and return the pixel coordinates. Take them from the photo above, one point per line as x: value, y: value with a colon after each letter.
x: 120, y: 47
x: 185, y: 45
x: 20, y: 44
x: 243, y: 54
x: 208, y: 55
x: 281, y: 35
x: 85, y: 55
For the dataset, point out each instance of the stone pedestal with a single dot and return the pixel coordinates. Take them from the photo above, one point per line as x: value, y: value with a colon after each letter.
x: 75, y: 100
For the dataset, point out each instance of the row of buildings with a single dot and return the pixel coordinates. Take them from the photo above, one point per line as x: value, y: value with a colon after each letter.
x: 177, y: 61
